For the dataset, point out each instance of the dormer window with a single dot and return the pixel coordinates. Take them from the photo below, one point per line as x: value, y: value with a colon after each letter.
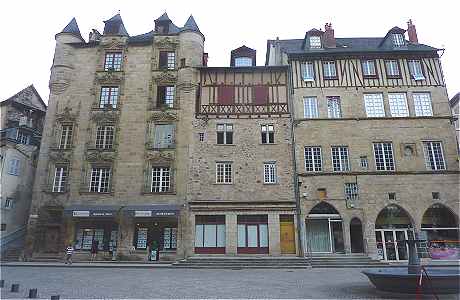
x: 243, y: 62
x: 398, y: 40
x: 315, y: 41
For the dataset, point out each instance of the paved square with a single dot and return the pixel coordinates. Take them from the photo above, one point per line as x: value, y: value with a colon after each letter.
x: 76, y: 282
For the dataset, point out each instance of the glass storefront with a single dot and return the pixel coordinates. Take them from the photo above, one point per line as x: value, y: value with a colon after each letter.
x: 148, y: 232
x: 252, y: 234
x: 210, y: 234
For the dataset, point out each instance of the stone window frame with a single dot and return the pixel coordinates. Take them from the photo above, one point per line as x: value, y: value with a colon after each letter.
x: 102, y: 119
x: 224, y: 178
x: 65, y: 186
x: 388, y: 166
x: 99, y: 165
x: 151, y: 130
x: 340, y: 154
x: 159, y: 161
x: 113, y: 53
x: 60, y: 159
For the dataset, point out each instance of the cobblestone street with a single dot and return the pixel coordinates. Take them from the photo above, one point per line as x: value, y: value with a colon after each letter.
x: 74, y: 282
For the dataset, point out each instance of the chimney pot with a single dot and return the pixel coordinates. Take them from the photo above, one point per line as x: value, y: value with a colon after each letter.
x: 412, y: 32
x: 329, y: 38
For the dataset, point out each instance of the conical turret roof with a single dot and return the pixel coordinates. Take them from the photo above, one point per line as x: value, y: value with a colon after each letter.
x: 191, y: 25
x: 115, y: 25
x: 72, y: 28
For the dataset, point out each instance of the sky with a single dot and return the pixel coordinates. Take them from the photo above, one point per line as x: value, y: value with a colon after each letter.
x: 28, y: 28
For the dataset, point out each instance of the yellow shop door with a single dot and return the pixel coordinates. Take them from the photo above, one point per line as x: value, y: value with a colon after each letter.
x: 287, y: 234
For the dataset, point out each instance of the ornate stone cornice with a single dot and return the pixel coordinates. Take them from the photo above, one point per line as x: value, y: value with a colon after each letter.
x: 66, y: 115
x: 113, y: 44
x: 166, y: 43
x: 159, y: 156
x: 165, y: 77
x: 105, y: 116
x: 109, y: 77
x: 60, y: 156
x: 163, y: 116
x: 100, y: 156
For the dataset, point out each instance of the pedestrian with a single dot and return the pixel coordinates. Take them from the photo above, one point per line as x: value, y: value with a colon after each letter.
x: 94, y: 248
x: 68, y: 256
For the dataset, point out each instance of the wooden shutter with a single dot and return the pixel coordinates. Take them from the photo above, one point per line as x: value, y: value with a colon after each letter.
x: 163, y: 62
x: 164, y: 136
x: 161, y: 93
x: 226, y: 95
x: 260, y: 94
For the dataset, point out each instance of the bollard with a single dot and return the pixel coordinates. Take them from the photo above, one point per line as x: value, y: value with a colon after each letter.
x: 33, y: 293
x: 15, y: 288
x: 2, y: 283
x: 55, y: 297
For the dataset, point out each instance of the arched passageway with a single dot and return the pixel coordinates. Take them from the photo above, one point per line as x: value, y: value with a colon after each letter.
x: 440, y: 229
x: 356, y: 236
x: 392, y: 227
x: 324, y: 229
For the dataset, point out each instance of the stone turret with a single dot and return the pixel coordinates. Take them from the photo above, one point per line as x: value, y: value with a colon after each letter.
x: 191, y: 43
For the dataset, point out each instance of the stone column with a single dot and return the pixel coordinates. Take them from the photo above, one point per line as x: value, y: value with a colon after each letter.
x: 274, y: 234
x: 182, y: 235
x: 32, y: 237
x: 231, y: 233
x: 370, y: 245
x: 346, y: 234
x: 125, y: 234
x: 69, y: 232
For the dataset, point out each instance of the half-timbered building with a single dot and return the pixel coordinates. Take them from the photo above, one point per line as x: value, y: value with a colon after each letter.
x: 374, y: 146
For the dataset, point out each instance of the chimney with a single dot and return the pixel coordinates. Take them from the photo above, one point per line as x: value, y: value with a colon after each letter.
x: 412, y: 33
x: 329, y: 39
x: 205, y: 59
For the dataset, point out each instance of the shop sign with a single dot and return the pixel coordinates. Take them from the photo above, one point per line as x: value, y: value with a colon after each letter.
x: 142, y: 213
x: 80, y: 213
x: 102, y: 214
x: 164, y: 213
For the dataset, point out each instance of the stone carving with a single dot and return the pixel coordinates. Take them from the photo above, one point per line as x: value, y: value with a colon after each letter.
x: 66, y: 115
x: 58, y: 87
x: 109, y: 77
x: 167, y: 43
x: 163, y: 116
x: 187, y: 86
x: 165, y: 77
x: 60, y: 156
x: 113, y: 44
x: 100, y: 156
x: 106, y: 116
x: 159, y: 156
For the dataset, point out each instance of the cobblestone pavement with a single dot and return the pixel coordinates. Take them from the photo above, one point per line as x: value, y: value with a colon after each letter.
x: 74, y: 282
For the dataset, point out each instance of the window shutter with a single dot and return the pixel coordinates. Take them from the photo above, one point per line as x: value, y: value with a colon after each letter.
x: 169, y: 135
x: 161, y: 93
x: 260, y: 93
x: 159, y: 136
x: 163, y: 63
x: 226, y: 94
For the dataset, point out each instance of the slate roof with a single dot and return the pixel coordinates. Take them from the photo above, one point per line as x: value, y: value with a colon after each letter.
x: 349, y: 45
x: 163, y: 17
x: 115, y: 25
x: 190, y: 25
x: 455, y: 99
x: 72, y: 28
x: 17, y: 98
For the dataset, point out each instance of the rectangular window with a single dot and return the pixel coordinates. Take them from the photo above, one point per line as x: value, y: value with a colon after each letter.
x: 351, y: 191
x: 334, y: 110
x: 113, y: 61
x: 14, y: 165
x: 201, y: 136
x: 210, y: 233
x: 243, y: 62
x: 109, y: 97
x: 416, y: 71
x: 398, y: 39
x: 8, y: 203
x: 329, y: 70
x: 374, y: 105
x: 65, y: 141
x: 60, y: 179
x: 252, y: 231
x: 392, y: 68
x: 398, y: 105
x: 23, y: 138
x: 165, y: 96
x: 104, y: 137
x: 167, y: 60
x: 434, y: 157
x: 310, y: 107
x: 100, y: 180
x: 315, y: 41
x: 224, y: 134
x: 368, y: 67
x: 161, y: 180
x: 142, y: 234
x: 422, y: 104
x: 224, y: 172
x: 164, y: 136
x: 383, y: 153
x: 308, y: 73
x: 340, y: 161
x: 364, y: 162
x: 226, y: 95
x: 313, y: 160
x: 169, y: 238
x: 268, y: 134
x: 270, y: 173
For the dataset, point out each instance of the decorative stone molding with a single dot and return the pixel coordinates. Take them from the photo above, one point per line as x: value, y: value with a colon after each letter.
x: 109, y: 77
x: 58, y: 87
x: 163, y: 116
x: 113, y: 44
x: 166, y: 43
x: 165, y: 78
x: 100, y: 156
x: 66, y: 115
x: 159, y: 156
x: 105, y: 116
x: 60, y: 156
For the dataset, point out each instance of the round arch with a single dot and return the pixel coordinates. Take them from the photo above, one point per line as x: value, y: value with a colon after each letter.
x: 393, y: 216
x: 324, y: 208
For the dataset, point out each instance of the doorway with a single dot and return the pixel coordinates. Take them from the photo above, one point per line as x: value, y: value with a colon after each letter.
x: 356, y: 236
x: 287, y: 234
x: 392, y: 244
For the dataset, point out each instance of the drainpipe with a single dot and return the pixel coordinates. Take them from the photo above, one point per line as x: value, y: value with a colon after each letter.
x: 300, y: 223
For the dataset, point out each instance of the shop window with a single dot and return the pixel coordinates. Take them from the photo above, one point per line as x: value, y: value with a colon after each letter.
x: 210, y: 234
x: 142, y: 233
x: 86, y: 236
x: 252, y: 234
x: 169, y: 238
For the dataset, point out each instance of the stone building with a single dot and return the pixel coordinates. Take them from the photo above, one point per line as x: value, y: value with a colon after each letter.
x: 114, y: 162
x: 375, y: 151
x: 455, y: 108
x: 21, y: 125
